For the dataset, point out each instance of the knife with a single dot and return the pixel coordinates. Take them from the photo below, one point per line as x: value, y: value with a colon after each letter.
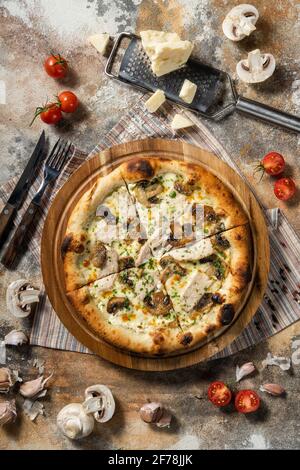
x: 20, y: 189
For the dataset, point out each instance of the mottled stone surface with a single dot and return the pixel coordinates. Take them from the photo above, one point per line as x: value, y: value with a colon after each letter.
x: 29, y: 30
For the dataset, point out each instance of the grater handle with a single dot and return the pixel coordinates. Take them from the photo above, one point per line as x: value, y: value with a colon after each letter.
x: 269, y: 114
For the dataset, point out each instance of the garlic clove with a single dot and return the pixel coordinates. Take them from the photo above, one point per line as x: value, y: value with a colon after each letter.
x: 273, y: 389
x: 20, y: 296
x: 165, y: 420
x: 107, y: 410
x: 244, y: 370
x: 8, y: 412
x: 15, y: 338
x: 5, y: 380
x: 73, y: 422
x: 151, y: 412
x: 33, y: 387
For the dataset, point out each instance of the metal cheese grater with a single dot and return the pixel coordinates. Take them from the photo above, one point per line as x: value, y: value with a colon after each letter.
x: 216, y: 95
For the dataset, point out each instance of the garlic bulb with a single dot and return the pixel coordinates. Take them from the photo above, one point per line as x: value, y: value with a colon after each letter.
x: 20, y: 296
x: 73, y: 421
x: 15, y: 338
x: 8, y: 412
x: 5, y: 380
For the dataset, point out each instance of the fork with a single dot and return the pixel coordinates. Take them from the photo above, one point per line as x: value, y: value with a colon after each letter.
x: 53, y: 166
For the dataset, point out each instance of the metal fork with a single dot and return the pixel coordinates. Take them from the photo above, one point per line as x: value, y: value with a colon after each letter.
x: 53, y: 166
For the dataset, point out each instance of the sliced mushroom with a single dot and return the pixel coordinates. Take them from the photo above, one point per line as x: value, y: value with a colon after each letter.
x: 256, y: 68
x: 146, y: 192
x: 159, y: 303
x: 117, y: 303
x: 99, y: 255
x: 221, y: 242
x: 240, y: 22
x: 185, y: 188
x: 204, y: 301
x: 73, y: 421
x: 170, y: 266
x: 100, y: 402
x: 6, y: 381
x: 8, y: 412
x: 180, y: 235
x: 20, y: 296
x: 105, y: 213
x: 126, y: 262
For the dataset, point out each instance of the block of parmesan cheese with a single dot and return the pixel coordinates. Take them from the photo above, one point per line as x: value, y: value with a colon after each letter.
x: 166, y: 51
x: 188, y: 91
x: 100, y: 42
x: 155, y: 101
x: 180, y: 122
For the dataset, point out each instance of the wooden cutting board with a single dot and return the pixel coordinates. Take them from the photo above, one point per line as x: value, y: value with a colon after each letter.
x: 81, y: 181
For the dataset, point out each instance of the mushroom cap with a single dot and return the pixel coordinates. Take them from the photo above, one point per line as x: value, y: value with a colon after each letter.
x: 107, y: 402
x: 73, y: 422
x: 256, y: 68
x: 240, y: 22
x: 19, y: 296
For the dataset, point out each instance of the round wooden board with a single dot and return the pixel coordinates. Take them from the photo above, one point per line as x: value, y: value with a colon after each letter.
x: 81, y: 181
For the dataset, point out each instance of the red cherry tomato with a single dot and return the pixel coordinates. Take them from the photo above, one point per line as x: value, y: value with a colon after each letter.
x: 50, y: 113
x: 219, y: 394
x: 68, y: 101
x: 56, y: 66
x: 247, y: 401
x: 284, y: 188
x: 273, y: 163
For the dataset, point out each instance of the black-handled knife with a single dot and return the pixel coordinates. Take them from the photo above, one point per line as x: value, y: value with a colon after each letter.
x: 20, y: 189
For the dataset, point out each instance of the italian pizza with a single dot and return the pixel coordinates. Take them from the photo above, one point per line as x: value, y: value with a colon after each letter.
x: 157, y: 256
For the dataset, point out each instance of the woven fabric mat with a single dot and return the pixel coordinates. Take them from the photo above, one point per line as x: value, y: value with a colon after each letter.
x: 281, y: 304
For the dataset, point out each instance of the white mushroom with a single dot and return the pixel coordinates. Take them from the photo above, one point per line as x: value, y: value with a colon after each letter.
x: 8, y: 412
x: 240, y: 22
x: 15, y: 338
x: 256, y: 68
x: 73, y: 421
x: 20, y: 296
x: 100, y: 402
x: 34, y: 387
x: 6, y: 381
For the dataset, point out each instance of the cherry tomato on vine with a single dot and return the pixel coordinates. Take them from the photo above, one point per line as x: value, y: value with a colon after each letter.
x: 247, y: 401
x: 56, y: 66
x: 68, y: 101
x: 219, y: 394
x: 284, y: 188
x: 273, y: 164
x: 50, y: 113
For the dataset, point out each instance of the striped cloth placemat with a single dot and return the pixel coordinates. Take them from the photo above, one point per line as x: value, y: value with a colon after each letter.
x: 281, y: 305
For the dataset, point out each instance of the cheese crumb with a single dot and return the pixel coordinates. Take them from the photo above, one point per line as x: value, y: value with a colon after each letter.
x: 180, y: 122
x: 188, y: 91
x: 166, y: 51
x: 155, y: 101
x: 100, y: 42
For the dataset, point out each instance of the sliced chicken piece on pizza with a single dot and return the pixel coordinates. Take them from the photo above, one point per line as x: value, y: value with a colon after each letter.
x: 130, y: 310
x: 179, y: 202
x: 208, y: 281
x: 103, y: 235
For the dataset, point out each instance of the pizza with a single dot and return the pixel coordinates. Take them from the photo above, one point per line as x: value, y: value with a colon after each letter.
x: 157, y: 256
